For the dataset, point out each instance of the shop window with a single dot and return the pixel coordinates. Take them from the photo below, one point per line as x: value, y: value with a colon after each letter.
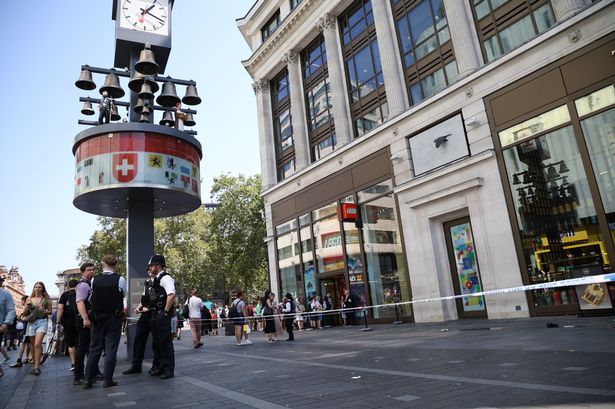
x: 328, y: 244
x: 597, y: 112
x: 282, y: 126
x: 504, y: 25
x: 294, y: 4
x: 555, y: 212
x: 427, y: 52
x: 363, y: 67
x: 388, y: 282
x: 289, y: 262
x: 317, y: 91
x: 270, y: 26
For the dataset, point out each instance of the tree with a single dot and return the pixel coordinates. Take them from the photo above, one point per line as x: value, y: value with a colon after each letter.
x: 236, y: 256
x: 109, y: 239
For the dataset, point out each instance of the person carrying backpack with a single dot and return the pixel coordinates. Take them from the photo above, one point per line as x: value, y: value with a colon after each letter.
x: 67, y: 319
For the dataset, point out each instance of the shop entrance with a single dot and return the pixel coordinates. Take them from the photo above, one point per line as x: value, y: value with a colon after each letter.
x: 334, y: 287
x: 464, y: 268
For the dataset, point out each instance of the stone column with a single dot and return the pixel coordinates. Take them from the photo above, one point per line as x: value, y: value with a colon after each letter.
x: 297, y: 110
x: 390, y: 59
x: 462, y: 29
x: 265, y: 133
x: 337, y: 81
x: 567, y: 8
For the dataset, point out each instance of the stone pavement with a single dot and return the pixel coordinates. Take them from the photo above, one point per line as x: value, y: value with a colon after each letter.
x: 458, y: 364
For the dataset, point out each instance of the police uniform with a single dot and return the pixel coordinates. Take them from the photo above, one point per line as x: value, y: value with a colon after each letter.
x: 107, y: 301
x: 160, y: 324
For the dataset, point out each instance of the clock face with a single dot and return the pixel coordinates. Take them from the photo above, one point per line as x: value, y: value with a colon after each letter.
x: 149, y: 16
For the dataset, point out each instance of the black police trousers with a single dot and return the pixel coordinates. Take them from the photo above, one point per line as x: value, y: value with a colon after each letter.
x: 83, y: 346
x: 161, y: 331
x: 106, y: 333
x: 141, y: 334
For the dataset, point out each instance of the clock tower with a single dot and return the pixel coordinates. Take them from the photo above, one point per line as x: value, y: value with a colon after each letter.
x: 139, y: 22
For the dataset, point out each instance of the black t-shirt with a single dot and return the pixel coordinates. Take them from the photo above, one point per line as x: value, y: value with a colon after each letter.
x: 69, y: 300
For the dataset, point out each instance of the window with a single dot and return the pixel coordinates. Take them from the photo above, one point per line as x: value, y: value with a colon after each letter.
x: 426, y: 49
x: 318, y: 99
x: 294, y: 4
x: 282, y: 126
x: 363, y: 69
x: 504, y: 25
x: 271, y: 26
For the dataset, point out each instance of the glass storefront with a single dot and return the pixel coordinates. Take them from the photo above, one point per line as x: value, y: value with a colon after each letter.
x: 557, y: 211
x: 352, y: 243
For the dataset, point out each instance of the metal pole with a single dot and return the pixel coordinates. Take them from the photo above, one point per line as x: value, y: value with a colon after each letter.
x: 365, y: 319
x: 139, y: 248
x: 398, y: 321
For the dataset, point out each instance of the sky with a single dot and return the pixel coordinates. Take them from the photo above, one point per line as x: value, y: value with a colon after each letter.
x: 45, y: 43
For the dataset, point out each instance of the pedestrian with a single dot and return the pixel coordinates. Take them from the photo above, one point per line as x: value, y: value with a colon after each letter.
x: 39, y: 302
x: 349, y: 303
x: 143, y: 330
x: 316, y: 316
x: 289, y: 315
x: 180, y: 323
x: 214, y: 322
x: 206, y: 323
x: 258, y: 315
x: 300, y: 309
x: 161, y: 299
x: 327, y: 305
x: 239, y: 305
x: 194, y: 313
x: 7, y: 315
x: 24, y: 346
x: 67, y: 316
x: 107, y: 301
x: 174, y: 322
x: 268, y: 306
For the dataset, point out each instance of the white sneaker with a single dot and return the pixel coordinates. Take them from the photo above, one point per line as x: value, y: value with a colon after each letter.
x: 246, y: 342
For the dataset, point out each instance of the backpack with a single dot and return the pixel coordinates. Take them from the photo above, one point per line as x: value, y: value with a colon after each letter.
x: 70, y: 310
x: 185, y: 313
x: 233, y: 312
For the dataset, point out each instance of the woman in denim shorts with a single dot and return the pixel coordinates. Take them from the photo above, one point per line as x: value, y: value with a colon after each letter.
x: 40, y: 301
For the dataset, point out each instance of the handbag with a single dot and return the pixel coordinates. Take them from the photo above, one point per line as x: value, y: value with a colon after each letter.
x: 29, y: 316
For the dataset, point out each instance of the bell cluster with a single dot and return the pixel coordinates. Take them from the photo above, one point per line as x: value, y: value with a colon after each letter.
x: 144, y: 83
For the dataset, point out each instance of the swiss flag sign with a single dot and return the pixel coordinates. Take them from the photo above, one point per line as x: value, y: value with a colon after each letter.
x: 124, y: 167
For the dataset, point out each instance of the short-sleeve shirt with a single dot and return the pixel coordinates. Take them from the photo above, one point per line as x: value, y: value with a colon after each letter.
x: 168, y: 283
x: 239, y: 305
x: 194, y: 307
x: 82, y: 291
x: 64, y: 300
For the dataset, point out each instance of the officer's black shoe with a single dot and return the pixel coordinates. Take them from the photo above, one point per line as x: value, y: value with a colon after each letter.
x: 109, y: 384
x: 167, y: 376
x: 88, y: 385
x: 131, y: 370
x: 155, y: 372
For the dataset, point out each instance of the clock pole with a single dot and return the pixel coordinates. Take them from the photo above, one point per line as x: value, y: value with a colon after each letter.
x: 134, y: 168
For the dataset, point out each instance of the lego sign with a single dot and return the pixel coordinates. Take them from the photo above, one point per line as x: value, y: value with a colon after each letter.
x: 349, y: 212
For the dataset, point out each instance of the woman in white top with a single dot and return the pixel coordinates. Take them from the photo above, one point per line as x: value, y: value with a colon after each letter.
x: 194, y: 313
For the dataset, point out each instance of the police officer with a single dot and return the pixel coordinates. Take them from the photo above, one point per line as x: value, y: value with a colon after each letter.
x: 143, y: 330
x: 107, y: 301
x: 161, y: 296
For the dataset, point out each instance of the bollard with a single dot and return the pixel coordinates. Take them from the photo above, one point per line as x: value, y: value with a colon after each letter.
x: 397, y: 320
x: 365, y: 319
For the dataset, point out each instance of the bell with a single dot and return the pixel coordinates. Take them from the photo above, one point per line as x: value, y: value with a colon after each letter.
x: 563, y: 168
x: 168, y: 97
x: 138, y: 80
x: 87, y: 108
x: 521, y: 192
x: 85, y: 81
x: 516, y: 180
x: 191, y: 97
x: 189, y: 121
x: 146, y: 91
x: 139, y: 106
x: 167, y: 119
x: 115, y: 116
x: 551, y: 173
x: 147, y: 63
x: 112, y: 86
x: 145, y: 111
x: 526, y: 178
x: 143, y: 118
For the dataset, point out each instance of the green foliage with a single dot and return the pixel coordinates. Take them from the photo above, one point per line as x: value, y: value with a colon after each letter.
x: 217, y: 251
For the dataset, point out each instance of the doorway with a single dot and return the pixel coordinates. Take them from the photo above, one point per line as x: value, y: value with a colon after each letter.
x: 464, y: 268
x: 334, y: 287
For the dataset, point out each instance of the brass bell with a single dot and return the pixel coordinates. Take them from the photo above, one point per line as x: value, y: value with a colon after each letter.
x: 87, y: 108
x: 189, y: 121
x: 167, y: 119
x: 139, y: 106
x: 168, y: 97
x: 147, y: 63
x: 85, y: 81
x: 191, y: 97
x: 143, y: 118
x: 138, y: 80
x: 115, y: 116
x: 551, y: 173
x: 145, y: 110
x: 112, y: 86
x: 146, y: 91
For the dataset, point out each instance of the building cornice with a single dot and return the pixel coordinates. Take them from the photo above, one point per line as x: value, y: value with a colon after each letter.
x: 290, y: 24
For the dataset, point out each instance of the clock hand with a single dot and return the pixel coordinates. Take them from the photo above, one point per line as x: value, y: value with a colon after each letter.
x: 157, y: 18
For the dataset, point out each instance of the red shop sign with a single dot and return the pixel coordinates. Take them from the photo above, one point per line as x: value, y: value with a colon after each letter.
x: 349, y: 212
